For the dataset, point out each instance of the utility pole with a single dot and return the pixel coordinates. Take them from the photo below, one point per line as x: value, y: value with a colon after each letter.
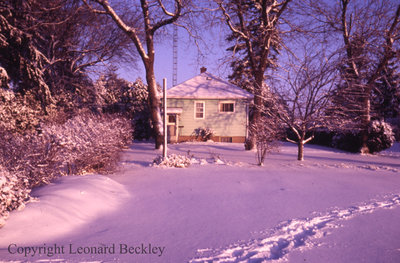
x: 165, y: 117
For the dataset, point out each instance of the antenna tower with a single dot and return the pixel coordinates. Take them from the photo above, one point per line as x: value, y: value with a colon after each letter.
x: 175, y: 56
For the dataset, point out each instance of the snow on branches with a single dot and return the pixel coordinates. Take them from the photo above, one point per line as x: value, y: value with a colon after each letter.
x: 14, y: 192
x: 82, y: 144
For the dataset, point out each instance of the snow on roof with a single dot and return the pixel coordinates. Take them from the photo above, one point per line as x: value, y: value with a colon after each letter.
x: 207, y: 86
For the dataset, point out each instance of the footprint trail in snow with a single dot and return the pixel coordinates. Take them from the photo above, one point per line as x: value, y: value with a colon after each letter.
x: 289, y: 235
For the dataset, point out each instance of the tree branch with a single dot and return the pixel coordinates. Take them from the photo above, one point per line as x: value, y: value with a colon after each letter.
x: 388, y: 49
x: 174, y: 16
x: 228, y: 21
x: 164, y: 9
x: 94, y: 10
x: 129, y: 31
x: 289, y: 140
x: 346, y: 37
x: 284, y: 5
x: 309, y: 139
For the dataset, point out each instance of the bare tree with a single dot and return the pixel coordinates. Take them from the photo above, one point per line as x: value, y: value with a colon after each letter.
x: 370, y: 36
x: 255, y: 32
x: 305, y: 96
x: 154, y: 16
x: 267, y: 134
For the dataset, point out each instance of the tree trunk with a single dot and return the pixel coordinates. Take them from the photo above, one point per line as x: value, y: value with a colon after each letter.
x: 154, y: 104
x: 366, y: 119
x: 255, y: 116
x: 300, y: 145
x: 251, y: 141
x: 300, y: 151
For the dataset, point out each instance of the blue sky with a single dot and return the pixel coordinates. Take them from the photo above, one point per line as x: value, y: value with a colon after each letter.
x: 189, y: 60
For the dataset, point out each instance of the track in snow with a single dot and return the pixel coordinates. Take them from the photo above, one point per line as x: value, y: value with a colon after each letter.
x: 289, y: 235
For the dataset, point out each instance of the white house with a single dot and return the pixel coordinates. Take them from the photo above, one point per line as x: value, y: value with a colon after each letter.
x: 207, y: 101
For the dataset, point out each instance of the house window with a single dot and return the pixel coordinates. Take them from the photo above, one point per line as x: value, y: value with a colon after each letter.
x: 171, y: 118
x: 199, y: 110
x: 227, y: 107
x: 225, y: 139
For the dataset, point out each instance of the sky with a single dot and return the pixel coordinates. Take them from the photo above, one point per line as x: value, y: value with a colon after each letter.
x: 212, y: 48
x: 189, y: 60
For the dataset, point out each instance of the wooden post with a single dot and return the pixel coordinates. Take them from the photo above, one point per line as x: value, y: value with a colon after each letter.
x: 165, y: 117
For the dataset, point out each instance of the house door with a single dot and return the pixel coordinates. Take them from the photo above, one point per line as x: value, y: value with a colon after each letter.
x: 172, y: 128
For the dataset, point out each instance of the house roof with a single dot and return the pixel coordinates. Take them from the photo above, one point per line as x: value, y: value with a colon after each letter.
x: 207, y: 86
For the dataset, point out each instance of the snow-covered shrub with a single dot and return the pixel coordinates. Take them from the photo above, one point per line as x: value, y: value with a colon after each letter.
x: 89, y: 142
x: 173, y: 160
x: 14, y: 192
x: 84, y: 143
x: 203, y: 134
x: 380, y: 136
x: 29, y: 155
x: 395, y: 123
x: 17, y: 113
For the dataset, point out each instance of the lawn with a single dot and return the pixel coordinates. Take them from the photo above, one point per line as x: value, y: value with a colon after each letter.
x: 332, y: 207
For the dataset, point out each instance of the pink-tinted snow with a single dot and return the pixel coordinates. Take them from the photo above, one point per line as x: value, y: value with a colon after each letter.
x: 334, y: 207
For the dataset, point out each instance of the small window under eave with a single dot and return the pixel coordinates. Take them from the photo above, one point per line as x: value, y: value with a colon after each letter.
x: 227, y: 106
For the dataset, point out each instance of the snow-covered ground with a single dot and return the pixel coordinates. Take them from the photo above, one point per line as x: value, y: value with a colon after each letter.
x: 333, y: 207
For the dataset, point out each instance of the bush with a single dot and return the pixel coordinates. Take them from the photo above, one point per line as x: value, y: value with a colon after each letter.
x: 17, y: 113
x: 395, y: 124
x: 85, y: 143
x: 347, y: 141
x: 29, y: 155
x: 203, y: 134
x: 90, y: 142
x: 14, y: 192
x: 173, y: 160
x: 380, y: 136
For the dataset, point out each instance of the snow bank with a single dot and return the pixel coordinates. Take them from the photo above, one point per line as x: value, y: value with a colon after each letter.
x: 62, y: 207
